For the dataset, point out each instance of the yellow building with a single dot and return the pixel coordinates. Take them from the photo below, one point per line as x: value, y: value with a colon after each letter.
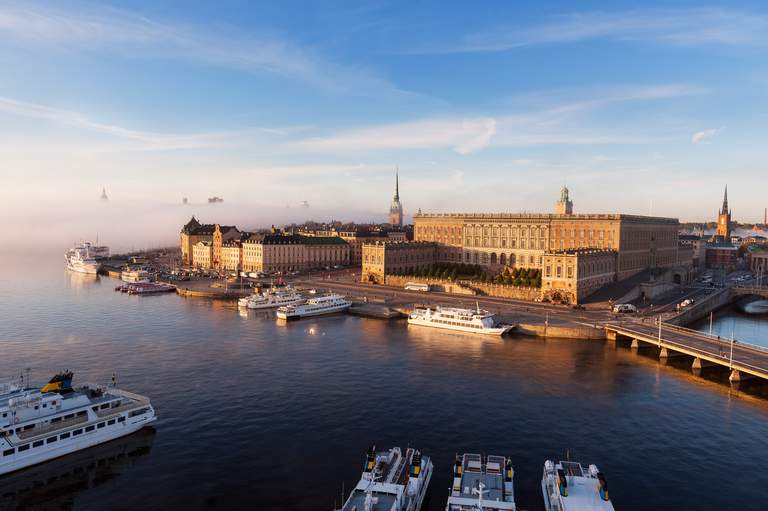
x: 388, y: 257
x: 231, y: 255
x: 281, y: 252
x: 193, y: 232
x: 201, y: 254
x: 571, y: 275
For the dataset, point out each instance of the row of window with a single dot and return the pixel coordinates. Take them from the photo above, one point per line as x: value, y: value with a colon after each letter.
x: 456, y: 323
x: 62, y: 436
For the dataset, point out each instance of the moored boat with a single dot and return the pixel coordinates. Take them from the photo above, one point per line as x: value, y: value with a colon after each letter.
x: 480, y: 483
x: 135, y: 276
x: 475, y: 321
x: 271, y: 299
x: 568, y: 486
x: 315, y: 306
x: 391, y: 481
x: 37, y: 425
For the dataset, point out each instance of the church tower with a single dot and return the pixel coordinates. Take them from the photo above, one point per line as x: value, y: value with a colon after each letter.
x: 724, y: 219
x: 396, y: 209
x: 564, y: 206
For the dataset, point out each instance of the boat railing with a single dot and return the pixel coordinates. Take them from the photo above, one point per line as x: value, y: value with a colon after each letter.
x: 42, y: 430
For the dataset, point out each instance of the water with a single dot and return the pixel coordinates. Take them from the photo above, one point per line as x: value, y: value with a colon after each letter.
x: 750, y: 328
x: 260, y: 415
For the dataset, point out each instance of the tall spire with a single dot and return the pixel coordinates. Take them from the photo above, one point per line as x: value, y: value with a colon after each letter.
x: 397, y: 183
x: 725, y: 200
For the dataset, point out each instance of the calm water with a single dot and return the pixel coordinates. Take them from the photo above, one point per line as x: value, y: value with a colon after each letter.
x: 260, y: 415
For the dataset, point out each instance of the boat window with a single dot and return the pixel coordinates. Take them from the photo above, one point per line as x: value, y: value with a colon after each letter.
x: 111, y: 421
x: 37, y: 444
x: 64, y: 435
x: 94, y: 408
x: 8, y: 452
x: 5, y: 415
x: 81, y: 413
x: 101, y: 425
x: 23, y: 447
x: 105, y: 405
x: 139, y: 412
x: 28, y: 427
x: 45, y: 405
x: 55, y: 419
x: 77, y: 432
x: 69, y: 416
x: 121, y: 419
x: 90, y: 428
x: 51, y: 439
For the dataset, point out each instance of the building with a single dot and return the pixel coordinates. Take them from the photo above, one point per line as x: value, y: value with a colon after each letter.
x: 724, y: 219
x: 757, y: 259
x: 564, y: 206
x: 721, y: 256
x: 392, y: 258
x: 222, y: 234
x: 571, y: 275
x: 202, y: 252
x: 357, y: 236
x: 232, y: 255
x: 697, y: 245
x: 521, y: 240
x: 290, y: 252
x: 396, y: 209
x: 192, y: 233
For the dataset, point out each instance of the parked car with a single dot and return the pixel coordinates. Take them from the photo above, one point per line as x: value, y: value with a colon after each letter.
x: 686, y: 303
x: 624, y: 308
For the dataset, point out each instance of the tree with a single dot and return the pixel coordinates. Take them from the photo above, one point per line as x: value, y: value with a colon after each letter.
x: 453, y: 274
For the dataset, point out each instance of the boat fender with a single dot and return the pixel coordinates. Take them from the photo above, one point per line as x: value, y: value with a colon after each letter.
x: 602, y: 486
x: 562, y: 482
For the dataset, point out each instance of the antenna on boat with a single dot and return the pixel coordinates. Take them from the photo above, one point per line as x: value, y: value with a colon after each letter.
x: 114, y: 380
x: 479, y: 492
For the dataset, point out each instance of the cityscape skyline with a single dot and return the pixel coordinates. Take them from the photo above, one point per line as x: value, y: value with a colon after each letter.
x: 229, y: 102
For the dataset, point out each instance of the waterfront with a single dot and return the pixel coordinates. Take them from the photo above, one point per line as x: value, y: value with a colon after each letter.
x: 278, y: 415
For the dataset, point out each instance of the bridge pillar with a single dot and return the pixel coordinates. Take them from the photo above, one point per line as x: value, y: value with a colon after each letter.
x: 737, y: 376
x: 610, y: 335
x: 667, y: 353
x: 699, y: 364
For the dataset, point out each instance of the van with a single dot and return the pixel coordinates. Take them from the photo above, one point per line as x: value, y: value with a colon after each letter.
x: 623, y: 308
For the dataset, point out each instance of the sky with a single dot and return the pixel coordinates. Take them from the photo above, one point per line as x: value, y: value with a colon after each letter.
x: 638, y: 107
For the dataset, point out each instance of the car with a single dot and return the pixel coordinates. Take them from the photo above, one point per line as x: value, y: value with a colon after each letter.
x: 624, y: 308
x: 686, y: 303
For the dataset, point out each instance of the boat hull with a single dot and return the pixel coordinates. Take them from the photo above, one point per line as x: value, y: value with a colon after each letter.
x: 496, y: 331
x: 299, y: 315
x: 85, y: 268
x: 72, y: 444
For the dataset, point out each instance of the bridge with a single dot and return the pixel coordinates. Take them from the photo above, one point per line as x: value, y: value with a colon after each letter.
x: 743, y: 360
x: 744, y: 290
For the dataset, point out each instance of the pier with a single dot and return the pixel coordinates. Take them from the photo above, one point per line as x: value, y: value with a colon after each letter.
x: 742, y: 360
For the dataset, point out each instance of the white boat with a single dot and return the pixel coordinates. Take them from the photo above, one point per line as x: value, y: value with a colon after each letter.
x: 37, y: 425
x: 479, y: 483
x: 95, y: 251
x: 567, y: 486
x: 271, y: 299
x: 79, y: 259
x: 135, y: 276
x: 316, y: 306
x: 391, y: 482
x: 463, y: 320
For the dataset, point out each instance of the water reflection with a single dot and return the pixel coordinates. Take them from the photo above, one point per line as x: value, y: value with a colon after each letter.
x: 79, y: 281
x: 55, y: 484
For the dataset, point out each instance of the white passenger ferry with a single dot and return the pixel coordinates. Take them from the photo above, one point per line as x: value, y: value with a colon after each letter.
x: 317, y: 306
x: 463, y: 320
x: 482, y: 484
x: 271, y: 299
x: 39, y: 425
x: 567, y: 486
x: 79, y: 259
x: 391, y: 482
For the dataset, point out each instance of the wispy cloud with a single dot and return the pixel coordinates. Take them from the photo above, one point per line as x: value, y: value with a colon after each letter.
x: 120, y: 31
x: 144, y: 140
x: 704, y: 135
x: 685, y: 27
x: 464, y: 136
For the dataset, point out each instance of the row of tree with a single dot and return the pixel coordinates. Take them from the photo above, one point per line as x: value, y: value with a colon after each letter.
x: 519, y: 277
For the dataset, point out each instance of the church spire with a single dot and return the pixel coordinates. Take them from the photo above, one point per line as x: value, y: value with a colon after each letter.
x: 725, y: 201
x: 397, y: 184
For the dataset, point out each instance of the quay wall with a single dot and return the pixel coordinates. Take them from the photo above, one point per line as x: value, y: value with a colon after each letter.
x: 561, y: 331
x: 703, y: 308
x: 467, y: 288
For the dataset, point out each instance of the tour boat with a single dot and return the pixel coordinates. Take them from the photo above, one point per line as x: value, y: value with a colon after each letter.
x: 135, y: 276
x: 79, y: 259
x: 463, y: 320
x: 271, y: 299
x: 391, y: 481
x: 568, y: 486
x: 482, y: 484
x: 37, y: 425
x: 316, y: 306
x: 148, y: 288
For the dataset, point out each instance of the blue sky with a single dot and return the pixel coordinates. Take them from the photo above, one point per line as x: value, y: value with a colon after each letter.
x: 483, y: 106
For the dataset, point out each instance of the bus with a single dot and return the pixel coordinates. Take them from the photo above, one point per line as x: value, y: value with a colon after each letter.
x: 416, y: 286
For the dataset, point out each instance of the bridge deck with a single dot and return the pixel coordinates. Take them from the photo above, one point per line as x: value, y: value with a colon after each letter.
x: 747, y: 358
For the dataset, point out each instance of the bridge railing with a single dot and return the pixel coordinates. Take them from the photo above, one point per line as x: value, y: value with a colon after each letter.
x: 736, y: 363
x: 702, y: 335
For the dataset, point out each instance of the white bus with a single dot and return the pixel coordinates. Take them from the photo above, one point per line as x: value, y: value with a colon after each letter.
x: 415, y: 286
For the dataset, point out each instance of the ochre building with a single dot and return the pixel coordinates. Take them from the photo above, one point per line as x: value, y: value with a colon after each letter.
x: 569, y: 276
x: 392, y: 257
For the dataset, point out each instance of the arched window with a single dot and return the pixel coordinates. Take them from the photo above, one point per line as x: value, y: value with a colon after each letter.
x: 503, y: 259
x: 493, y: 258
